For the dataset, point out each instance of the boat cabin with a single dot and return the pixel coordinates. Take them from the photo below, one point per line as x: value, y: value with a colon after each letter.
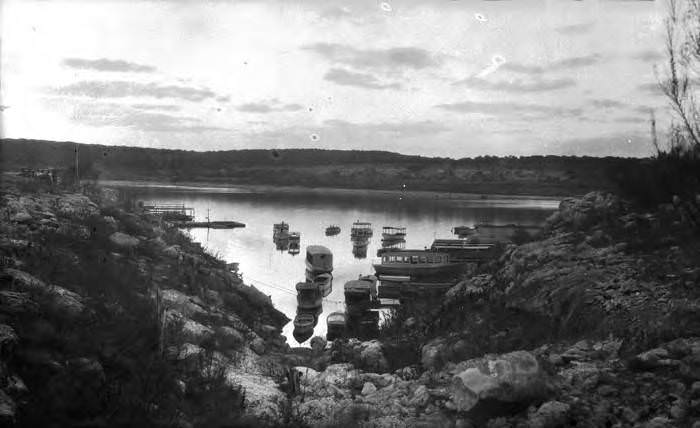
x: 415, y: 257
x: 319, y: 259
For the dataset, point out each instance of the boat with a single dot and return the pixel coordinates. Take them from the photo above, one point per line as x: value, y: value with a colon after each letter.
x: 372, y: 281
x: 417, y: 264
x: 361, y: 229
x: 332, y: 230
x: 392, y: 233
x: 279, y: 228
x: 335, y: 323
x: 391, y: 245
x: 293, y: 241
x: 319, y: 259
x: 308, y: 295
x: 461, y: 250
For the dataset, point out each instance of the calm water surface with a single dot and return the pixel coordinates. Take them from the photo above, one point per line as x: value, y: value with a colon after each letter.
x: 276, y: 272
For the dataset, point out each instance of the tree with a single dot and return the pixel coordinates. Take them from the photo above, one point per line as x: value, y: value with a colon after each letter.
x: 683, y: 69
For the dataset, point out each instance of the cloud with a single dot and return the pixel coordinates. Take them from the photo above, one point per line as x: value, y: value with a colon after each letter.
x: 582, y: 28
x: 121, y: 89
x: 109, y: 114
x: 607, y: 103
x: 270, y: 106
x: 507, y: 108
x: 162, y: 107
x: 563, y: 64
x: 104, y: 64
x: 402, y: 57
x: 362, y: 80
x: 518, y: 85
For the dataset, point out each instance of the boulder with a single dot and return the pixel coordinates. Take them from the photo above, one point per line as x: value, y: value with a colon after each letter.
x: 258, y: 346
x: 368, y: 388
x: 498, y: 385
x: 195, y: 332
x: 318, y: 344
x: 229, y: 337
x: 372, y: 356
x: 124, y: 241
x: 551, y: 414
x: 434, y: 354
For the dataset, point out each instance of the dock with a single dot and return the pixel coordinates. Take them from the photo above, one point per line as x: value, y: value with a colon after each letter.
x: 209, y: 224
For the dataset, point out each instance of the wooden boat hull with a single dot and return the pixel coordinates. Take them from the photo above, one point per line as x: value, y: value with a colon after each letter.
x: 417, y: 270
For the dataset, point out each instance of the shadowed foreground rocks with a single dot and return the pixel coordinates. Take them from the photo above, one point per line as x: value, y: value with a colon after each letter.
x: 108, y: 317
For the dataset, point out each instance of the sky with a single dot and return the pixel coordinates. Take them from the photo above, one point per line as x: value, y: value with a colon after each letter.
x: 454, y: 78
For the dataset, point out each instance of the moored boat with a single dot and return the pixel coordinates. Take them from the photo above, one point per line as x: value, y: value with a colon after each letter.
x: 417, y: 264
x: 357, y: 291
x: 361, y: 229
x: 319, y: 259
x: 393, y: 233
x: 332, y: 230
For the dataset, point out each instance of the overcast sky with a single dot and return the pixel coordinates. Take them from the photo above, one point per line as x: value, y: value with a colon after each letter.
x: 432, y: 77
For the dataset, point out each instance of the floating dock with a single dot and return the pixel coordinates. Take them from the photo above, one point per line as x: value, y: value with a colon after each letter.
x: 208, y: 224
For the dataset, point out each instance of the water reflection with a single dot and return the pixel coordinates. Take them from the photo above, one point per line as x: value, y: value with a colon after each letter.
x: 268, y: 265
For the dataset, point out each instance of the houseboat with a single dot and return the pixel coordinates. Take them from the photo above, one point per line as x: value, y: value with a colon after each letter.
x: 359, y: 249
x: 279, y: 228
x: 461, y: 250
x: 294, y: 243
x: 332, y: 230
x: 335, y: 323
x: 361, y: 229
x: 319, y: 259
x: 358, y: 291
x: 417, y: 264
x: 392, y: 233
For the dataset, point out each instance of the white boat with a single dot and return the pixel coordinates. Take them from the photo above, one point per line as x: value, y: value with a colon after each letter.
x: 319, y: 259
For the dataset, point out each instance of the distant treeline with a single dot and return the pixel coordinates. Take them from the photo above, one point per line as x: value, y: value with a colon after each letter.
x: 543, y: 175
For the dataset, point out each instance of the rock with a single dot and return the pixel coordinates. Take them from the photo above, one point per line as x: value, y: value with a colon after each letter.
x: 372, y: 356
x: 124, y: 241
x: 21, y: 217
x: 434, y: 354
x: 658, y: 422
x: 258, y: 346
x: 16, y: 303
x: 409, y: 323
x: 88, y: 369
x: 229, y: 337
x: 650, y: 359
x: 497, y: 385
x: 8, y: 409
x: 195, y: 332
x: 8, y: 341
x: 368, y: 388
x: 420, y: 397
x: 318, y: 344
x: 551, y: 414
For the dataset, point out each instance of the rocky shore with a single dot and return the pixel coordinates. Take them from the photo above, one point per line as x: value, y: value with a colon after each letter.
x: 109, y: 317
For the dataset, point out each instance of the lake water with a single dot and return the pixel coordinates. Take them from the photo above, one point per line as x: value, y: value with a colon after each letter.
x: 276, y: 272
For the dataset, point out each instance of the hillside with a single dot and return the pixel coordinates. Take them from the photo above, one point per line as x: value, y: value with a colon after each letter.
x: 542, y: 175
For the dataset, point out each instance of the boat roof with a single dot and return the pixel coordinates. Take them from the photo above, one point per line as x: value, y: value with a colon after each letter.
x: 409, y: 252
x: 362, y: 223
x: 394, y: 227
x: 336, y: 316
x: 357, y: 283
x: 317, y: 249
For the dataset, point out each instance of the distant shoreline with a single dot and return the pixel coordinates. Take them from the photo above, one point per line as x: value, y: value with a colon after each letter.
x: 272, y: 189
